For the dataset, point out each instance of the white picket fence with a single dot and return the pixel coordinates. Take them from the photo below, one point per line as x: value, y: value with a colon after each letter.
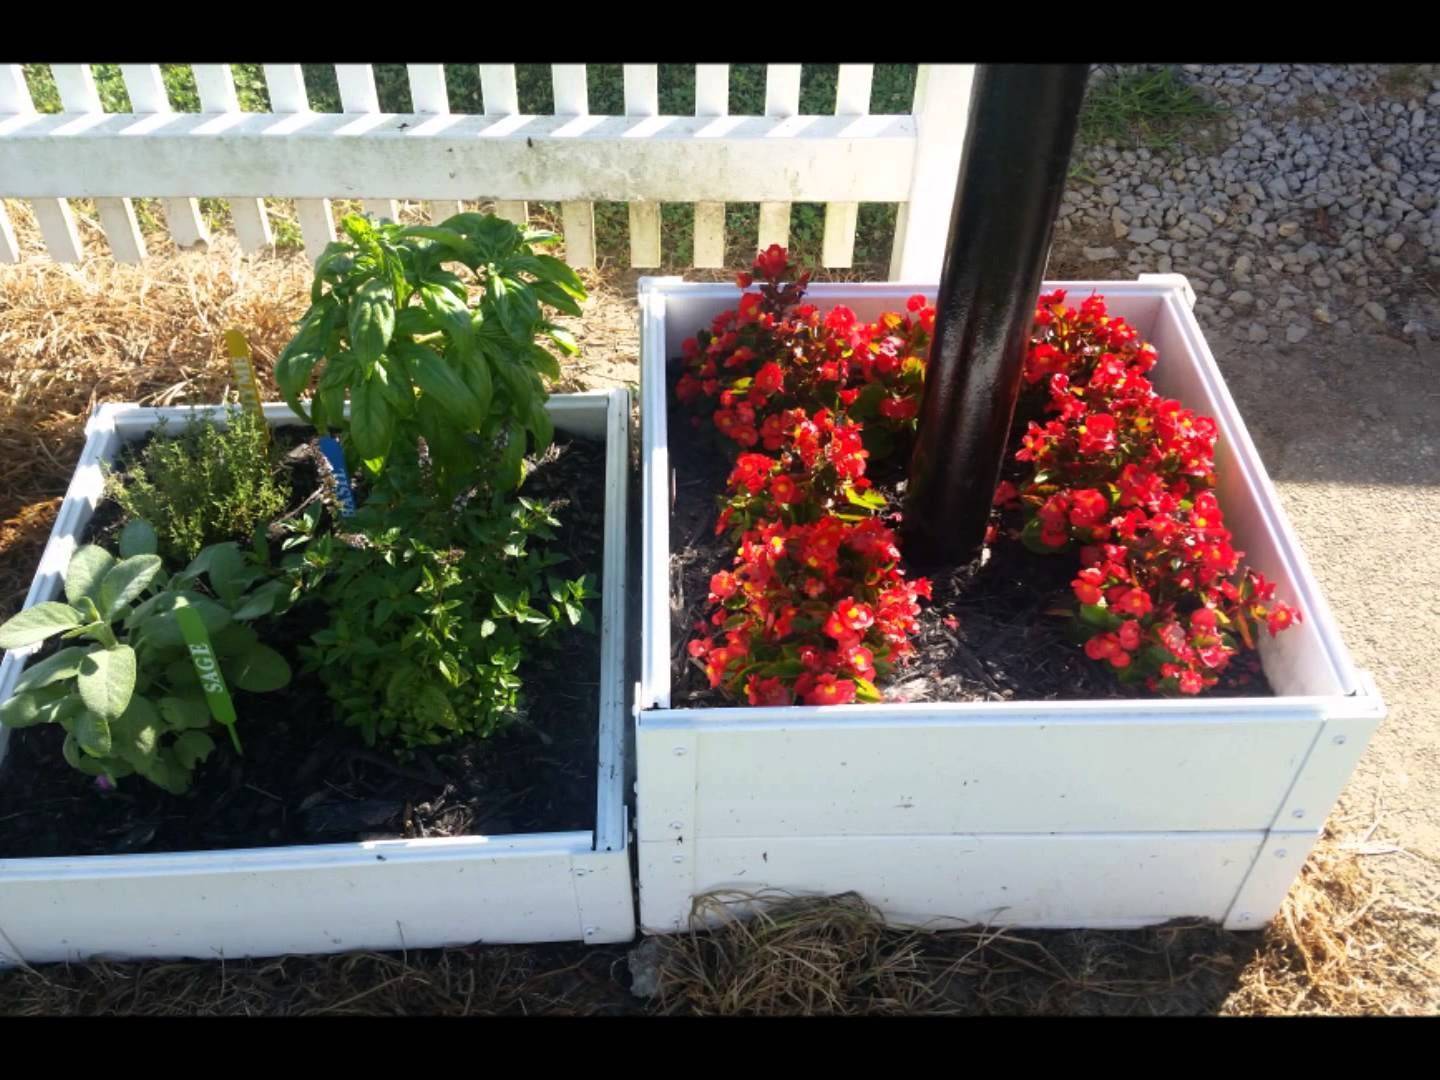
x: 572, y: 157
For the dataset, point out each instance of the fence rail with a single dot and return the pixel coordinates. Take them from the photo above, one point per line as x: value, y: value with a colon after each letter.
x: 642, y: 158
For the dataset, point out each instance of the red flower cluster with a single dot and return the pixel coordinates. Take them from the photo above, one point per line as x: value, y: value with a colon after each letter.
x: 816, y: 605
x: 1127, y: 474
x: 772, y: 352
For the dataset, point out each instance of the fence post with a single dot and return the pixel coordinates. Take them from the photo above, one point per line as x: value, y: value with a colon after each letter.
x: 942, y: 109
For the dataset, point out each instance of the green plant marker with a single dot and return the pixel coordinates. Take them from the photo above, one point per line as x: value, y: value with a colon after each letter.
x: 212, y: 682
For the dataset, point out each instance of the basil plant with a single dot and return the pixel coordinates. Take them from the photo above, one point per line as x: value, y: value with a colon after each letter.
x: 393, y: 326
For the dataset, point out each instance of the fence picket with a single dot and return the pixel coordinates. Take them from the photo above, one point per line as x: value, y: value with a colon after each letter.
x: 642, y: 98
x: 577, y: 219
x: 712, y: 89
x: 76, y: 83
x: 286, y: 83
x: 572, y: 89
x: 427, y: 88
x: 57, y: 225
x: 852, y: 90
x: 78, y: 94
x: 317, y: 225
x: 358, y: 94
x: 642, y: 89
x: 852, y: 98
x: 502, y: 98
x: 56, y: 220
x: 215, y: 83
x: 498, y: 88
x: 837, y: 248
x: 122, y: 231
x: 252, y: 224
x: 287, y: 95
x: 782, y: 99
x: 712, y: 98
x: 709, y: 233
x: 146, y: 87
x: 429, y: 96
x: 942, y: 107
x: 782, y: 89
x: 577, y: 222
x: 14, y: 94
x: 9, y: 246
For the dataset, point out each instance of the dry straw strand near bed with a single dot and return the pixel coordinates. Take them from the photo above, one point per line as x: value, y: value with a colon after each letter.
x: 1341, y: 945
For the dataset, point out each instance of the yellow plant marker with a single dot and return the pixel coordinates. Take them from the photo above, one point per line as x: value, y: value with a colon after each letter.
x: 243, y: 369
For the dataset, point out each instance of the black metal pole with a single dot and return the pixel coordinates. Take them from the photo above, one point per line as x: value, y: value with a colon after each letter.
x: 1022, y: 125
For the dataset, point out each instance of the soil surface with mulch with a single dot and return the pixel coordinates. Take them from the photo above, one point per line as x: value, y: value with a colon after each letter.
x: 304, y: 778
x: 988, y: 634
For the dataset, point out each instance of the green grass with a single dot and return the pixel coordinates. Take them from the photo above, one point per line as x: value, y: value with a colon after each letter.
x: 1403, y: 80
x: 1156, y: 109
x: 893, y: 91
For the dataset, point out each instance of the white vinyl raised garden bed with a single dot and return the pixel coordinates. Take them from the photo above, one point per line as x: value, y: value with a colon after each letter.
x: 1031, y: 814
x: 388, y: 894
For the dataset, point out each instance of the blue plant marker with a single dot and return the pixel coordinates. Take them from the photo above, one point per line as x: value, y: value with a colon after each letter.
x: 330, y: 447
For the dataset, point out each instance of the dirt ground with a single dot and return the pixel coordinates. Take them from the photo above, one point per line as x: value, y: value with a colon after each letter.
x: 1348, y: 432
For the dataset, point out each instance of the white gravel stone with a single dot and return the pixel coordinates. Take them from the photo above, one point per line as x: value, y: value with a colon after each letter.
x: 1395, y: 241
x: 1375, y: 311
x: 1295, y: 333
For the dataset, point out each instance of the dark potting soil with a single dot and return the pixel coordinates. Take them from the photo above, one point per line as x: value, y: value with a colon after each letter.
x: 988, y: 634
x: 304, y: 778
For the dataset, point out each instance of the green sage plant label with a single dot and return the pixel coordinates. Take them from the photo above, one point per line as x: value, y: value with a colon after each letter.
x: 207, y: 666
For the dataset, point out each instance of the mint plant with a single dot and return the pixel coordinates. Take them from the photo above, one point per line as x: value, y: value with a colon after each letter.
x: 393, y: 328
x: 433, y: 607
x: 142, y: 694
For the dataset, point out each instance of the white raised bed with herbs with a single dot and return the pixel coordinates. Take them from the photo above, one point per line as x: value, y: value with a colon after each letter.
x: 387, y: 894
x: 1121, y: 813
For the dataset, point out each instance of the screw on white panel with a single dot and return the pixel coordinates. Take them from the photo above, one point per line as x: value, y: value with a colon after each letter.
x: 677, y: 858
x: 591, y: 931
x: 679, y: 751
x: 1280, y: 854
x: 1298, y: 814
x: 1245, y: 916
x: 1339, y: 740
x: 677, y: 825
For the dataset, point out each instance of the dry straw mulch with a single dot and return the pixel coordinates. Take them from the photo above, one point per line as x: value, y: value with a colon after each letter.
x: 74, y: 336
x: 1341, y: 945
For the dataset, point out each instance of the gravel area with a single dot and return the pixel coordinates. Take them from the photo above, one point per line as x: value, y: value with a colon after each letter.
x: 1309, y: 205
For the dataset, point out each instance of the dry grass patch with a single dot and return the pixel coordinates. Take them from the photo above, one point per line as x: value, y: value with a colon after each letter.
x: 1341, y: 945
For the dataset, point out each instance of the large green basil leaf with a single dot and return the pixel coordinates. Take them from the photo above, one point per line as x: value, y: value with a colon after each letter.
x: 371, y: 320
